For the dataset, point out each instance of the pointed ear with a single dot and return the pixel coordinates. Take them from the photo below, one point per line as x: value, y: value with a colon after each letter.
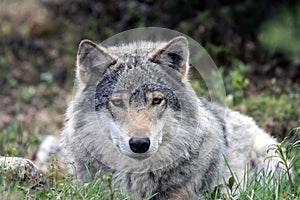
x: 92, y: 58
x: 175, y: 54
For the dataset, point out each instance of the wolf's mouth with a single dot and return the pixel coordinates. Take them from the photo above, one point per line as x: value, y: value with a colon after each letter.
x: 138, y: 156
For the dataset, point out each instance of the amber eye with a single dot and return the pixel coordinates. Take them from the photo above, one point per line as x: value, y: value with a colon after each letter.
x: 156, y: 101
x: 117, y: 102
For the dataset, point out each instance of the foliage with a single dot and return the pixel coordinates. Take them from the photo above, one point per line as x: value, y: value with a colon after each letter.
x: 236, y: 83
x: 281, y: 33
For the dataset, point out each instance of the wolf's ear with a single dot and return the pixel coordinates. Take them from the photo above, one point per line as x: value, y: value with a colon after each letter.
x: 175, y: 54
x: 92, y: 58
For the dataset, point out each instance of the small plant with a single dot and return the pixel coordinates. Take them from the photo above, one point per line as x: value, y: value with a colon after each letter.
x: 289, y: 156
x: 266, y: 184
x: 236, y: 83
x: 110, y: 185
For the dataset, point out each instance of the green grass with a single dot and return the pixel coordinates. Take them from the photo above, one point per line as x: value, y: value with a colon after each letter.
x: 266, y: 185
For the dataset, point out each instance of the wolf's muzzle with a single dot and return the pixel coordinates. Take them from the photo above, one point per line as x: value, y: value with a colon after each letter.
x: 139, y: 144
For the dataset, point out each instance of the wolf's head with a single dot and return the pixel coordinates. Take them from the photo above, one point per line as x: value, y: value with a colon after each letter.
x: 138, y: 91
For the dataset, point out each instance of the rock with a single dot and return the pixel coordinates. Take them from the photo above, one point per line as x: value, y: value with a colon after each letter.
x: 16, y: 168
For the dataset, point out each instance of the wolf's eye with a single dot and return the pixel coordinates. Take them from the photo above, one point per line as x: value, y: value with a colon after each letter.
x: 117, y: 102
x: 156, y: 101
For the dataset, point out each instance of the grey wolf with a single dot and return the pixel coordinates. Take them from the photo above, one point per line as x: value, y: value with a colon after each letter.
x: 135, y: 113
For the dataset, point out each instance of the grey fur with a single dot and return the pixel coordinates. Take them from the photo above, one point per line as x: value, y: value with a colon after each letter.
x: 189, y: 135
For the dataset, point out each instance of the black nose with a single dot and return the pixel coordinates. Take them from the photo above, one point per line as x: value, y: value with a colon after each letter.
x: 139, y: 144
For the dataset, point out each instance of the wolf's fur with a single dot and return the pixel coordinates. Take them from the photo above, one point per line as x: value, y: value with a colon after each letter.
x: 142, y: 90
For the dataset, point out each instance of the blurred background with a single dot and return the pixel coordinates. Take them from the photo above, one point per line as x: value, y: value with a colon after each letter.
x: 254, y: 43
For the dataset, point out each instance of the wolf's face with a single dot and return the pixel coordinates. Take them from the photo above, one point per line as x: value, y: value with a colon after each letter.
x: 135, y: 91
x: 139, y: 120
